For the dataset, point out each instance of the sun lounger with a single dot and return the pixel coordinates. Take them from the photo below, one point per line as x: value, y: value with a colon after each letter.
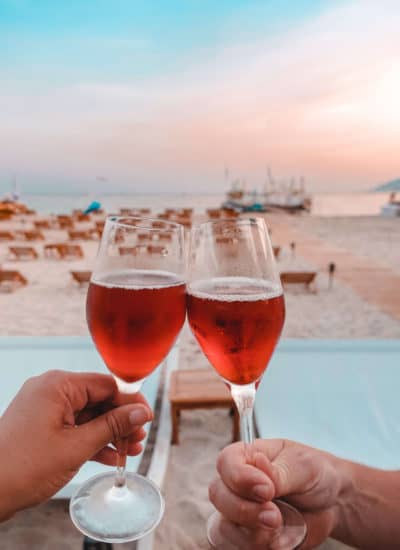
x: 65, y: 222
x: 340, y: 396
x: 228, y: 213
x: 306, y: 278
x: 199, y: 389
x: 42, y: 224
x: 23, y: 252
x: 156, y: 249
x: 63, y: 251
x: 11, y: 280
x: 131, y: 250
x: 70, y: 251
x: 75, y: 235
x: 213, y: 214
x: 7, y: 236
x: 165, y: 236
x: 34, y: 235
x: 81, y: 277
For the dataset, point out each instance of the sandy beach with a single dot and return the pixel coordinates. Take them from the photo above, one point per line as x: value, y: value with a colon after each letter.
x: 52, y: 304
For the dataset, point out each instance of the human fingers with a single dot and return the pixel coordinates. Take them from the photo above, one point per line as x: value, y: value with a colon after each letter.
x: 247, y: 472
x: 241, y: 511
x: 116, y: 424
x: 109, y: 456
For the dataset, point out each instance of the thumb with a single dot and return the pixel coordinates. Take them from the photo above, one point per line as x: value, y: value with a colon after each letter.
x: 111, y: 426
x: 291, y: 471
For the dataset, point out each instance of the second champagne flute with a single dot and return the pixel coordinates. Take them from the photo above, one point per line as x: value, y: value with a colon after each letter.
x: 236, y: 311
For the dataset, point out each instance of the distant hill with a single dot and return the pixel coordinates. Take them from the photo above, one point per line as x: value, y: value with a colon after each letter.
x: 393, y: 185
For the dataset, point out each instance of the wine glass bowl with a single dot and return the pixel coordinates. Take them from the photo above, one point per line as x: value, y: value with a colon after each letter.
x: 136, y: 306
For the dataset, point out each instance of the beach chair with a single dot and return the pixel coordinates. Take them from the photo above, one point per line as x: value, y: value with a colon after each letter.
x: 75, y: 235
x: 228, y: 213
x: 52, y: 250
x: 65, y: 222
x: 70, y: 251
x: 7, y: 236
x: 144, y: 211
x: 199, y: 389
x: 42, y: 224
x: 143, y: 237
x: 337, y: 395
x: 213, y: 213
x: 81, y: 277
x: 306, y: 278
x: 23, y: 253
x: 158, y: 224
x: 78, y: 354
x: 11, y: 280
x: 33, y: 235
x: 131, y: 250
x: 156, y: 249
x: 165, y: 236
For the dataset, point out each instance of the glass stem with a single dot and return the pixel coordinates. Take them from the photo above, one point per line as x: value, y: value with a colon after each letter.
x: 122, y: 449
x: 244, y: 397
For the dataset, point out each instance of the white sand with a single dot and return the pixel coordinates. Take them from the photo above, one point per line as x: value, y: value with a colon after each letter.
x: 53, y: 305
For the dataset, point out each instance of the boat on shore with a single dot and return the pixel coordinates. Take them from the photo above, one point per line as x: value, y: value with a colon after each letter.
x: 289, y: 198
x: 392, y: 208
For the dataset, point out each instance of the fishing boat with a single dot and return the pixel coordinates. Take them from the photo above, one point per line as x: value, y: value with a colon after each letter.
x: 282, y: 196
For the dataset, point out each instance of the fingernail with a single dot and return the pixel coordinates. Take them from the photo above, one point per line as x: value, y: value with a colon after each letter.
x: 268, y: 518
x: 262, y: 493
x: 139, y: 415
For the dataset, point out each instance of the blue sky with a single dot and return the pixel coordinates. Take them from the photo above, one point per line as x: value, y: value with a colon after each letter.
x: 154, y: 94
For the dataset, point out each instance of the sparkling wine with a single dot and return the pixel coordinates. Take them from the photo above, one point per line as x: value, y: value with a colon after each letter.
x: 237, y: 322
x: 134, y: 318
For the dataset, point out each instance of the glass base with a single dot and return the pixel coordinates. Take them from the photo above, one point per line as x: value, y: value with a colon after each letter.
x: 113, y: 514
x: 290, y: 536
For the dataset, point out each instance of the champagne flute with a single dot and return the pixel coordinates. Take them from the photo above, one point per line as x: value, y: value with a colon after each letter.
x: 135, y: 309
x: 236, y: 311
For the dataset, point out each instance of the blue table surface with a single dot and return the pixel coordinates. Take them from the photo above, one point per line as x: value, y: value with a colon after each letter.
x: 340, y: 396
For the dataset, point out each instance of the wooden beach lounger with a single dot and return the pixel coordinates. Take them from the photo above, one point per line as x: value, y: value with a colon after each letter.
x: 75, y: 235
x: 71, y: 251
x: 65, y: 222
x: 42, y: 224
x: 7, y: 236
x: 78, y: 354
x: 213, y: 213
x: 199, y: 389
x: 34, y: 235
x: 63, y: 251
x: 131, y: 250
x: 81, y: 277
x: 156, y: 249
x: 11, y: 280
x: 306, y: 278
x: 23, y: 252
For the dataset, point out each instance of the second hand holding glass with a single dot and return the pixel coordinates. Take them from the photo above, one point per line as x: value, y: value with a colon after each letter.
x: 236, y: 311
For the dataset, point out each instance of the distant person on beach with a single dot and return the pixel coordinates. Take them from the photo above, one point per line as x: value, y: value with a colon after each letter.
x: 354, y: 504
x: 56, y: 423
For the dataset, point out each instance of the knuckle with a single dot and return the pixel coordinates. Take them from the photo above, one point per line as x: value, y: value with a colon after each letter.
x: 115, y: 426
x: 213, y: 491
x: 243, y: 513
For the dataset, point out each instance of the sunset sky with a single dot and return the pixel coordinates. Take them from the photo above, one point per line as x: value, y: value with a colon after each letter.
x: 163, y: 95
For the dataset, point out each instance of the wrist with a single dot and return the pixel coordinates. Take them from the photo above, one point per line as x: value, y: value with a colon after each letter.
x: 345, y: 496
